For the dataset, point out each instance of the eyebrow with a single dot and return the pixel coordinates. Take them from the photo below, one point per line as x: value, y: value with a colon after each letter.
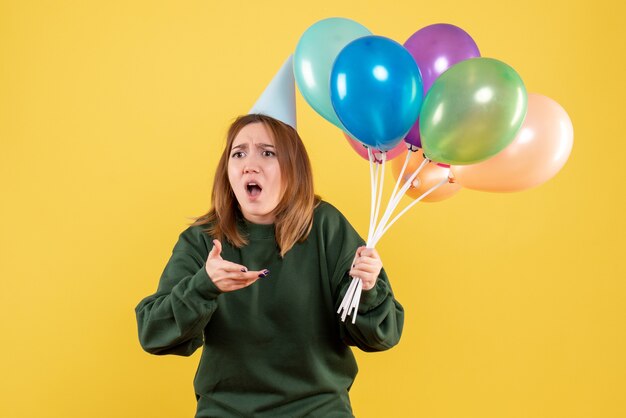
x: 245, y: 146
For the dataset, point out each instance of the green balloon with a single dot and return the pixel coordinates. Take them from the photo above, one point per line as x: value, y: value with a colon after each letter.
x: 472, y: 112
x: 314, y: 57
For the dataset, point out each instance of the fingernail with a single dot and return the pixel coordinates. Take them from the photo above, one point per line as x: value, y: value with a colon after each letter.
x: 264, y: 273
x: 243, y: 270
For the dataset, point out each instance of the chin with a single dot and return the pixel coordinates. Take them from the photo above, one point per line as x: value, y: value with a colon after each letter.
x: 256, y: 214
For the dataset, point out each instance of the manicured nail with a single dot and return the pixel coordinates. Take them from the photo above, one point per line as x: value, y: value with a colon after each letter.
x: 243, y: 270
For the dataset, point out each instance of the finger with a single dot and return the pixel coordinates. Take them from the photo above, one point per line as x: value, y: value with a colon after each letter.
x: 365, y: 270
x: 370, y: 268
x: 361, y: 274
x: 236, y: 283
x: 368, y: 261
x: 252, y: 281
x: 369, y: 252
x: 255, y: 275
x: 357, y: 255
x: 216, y: 250
x: 242, y: 271
x: 367, y: 282
x: 230, y: 267
x: 239, y: 276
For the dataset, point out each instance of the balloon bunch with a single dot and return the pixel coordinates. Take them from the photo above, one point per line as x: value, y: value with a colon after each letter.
x: 461, y: 120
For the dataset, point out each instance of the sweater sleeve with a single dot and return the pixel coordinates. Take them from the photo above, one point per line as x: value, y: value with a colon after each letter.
x: 172, y: 320
x: 380, y: 316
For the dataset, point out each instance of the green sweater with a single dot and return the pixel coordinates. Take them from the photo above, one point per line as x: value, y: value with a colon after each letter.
x: 276, y: 348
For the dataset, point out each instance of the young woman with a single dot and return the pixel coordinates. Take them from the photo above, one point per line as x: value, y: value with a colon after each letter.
x: 257, y: 282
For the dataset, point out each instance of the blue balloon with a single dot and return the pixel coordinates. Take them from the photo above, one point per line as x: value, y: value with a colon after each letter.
x: 376, y: 91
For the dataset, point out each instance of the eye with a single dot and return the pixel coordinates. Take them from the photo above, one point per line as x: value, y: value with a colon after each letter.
x: 238, y: 154
x: 267, y: 153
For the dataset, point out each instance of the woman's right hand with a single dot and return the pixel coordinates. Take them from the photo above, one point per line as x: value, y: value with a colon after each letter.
x: 229, y: 276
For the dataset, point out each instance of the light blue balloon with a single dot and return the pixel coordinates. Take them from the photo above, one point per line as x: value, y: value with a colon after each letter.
x: 313, y: 59
x: 376, y: 91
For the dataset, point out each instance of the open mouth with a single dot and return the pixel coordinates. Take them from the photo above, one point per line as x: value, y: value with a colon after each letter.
x: 253, y: 189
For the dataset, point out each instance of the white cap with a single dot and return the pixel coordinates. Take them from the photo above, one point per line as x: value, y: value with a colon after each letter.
x: 279, y: 98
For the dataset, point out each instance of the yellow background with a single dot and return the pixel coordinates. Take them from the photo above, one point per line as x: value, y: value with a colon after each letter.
x: 113, y: 113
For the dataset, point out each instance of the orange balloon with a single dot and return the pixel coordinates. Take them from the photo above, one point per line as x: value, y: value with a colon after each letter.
x: 430, y: 175
x: 539, y: 151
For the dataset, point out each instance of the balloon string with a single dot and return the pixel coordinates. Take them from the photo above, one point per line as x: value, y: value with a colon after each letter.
x: 353, y: 295
x: 374, y: 187
x: 409, y: 182
x: 354, y: 306
x: 351, y: 299
x: 395, y: 189
x: 390, y: 203
x: 380, y: 195
x: 349, y: 293
x: 432, y: 189
x: 348, y: 298
x: 394, y: 201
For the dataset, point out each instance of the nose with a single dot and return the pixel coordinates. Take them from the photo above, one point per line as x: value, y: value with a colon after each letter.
x: 248, y: 169
x: 252, y: 164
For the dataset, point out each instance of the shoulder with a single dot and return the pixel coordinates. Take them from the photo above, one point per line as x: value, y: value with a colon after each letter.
x: 195, y: 237
x: 330, y: 222
x: 325, y: 210
x: 337, y: 238
x: 327, y: 216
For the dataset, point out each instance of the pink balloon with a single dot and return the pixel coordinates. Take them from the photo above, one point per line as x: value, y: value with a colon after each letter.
x: 362, y: 150
x: 538, y: 152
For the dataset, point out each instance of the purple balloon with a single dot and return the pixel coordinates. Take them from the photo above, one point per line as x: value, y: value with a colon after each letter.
x: 436, y: 48
x: 413, y: 137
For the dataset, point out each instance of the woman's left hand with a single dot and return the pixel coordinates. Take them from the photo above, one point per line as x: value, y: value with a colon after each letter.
x: 367, y: 266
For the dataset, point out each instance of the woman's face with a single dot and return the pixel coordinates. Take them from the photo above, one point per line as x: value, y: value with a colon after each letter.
x: 254, y: 173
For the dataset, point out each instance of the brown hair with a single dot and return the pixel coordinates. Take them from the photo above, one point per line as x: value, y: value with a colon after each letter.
x: 294, y: 212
